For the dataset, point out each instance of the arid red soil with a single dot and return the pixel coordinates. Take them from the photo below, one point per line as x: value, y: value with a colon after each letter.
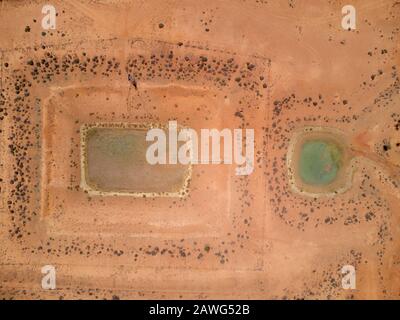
x: 272, y: 66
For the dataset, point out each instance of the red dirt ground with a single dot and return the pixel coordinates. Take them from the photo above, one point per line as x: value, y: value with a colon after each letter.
x: 273, y: 66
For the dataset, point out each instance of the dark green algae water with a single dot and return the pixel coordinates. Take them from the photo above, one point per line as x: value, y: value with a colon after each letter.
x: 320, y: 162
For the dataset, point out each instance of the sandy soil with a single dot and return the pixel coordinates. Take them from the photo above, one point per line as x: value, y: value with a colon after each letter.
x: 273, y: 66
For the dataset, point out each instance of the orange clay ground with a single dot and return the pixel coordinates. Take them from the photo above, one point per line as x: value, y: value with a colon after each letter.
x: 273, y: 66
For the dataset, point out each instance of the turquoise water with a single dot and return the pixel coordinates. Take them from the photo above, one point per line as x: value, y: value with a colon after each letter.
x: 320, y: 162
